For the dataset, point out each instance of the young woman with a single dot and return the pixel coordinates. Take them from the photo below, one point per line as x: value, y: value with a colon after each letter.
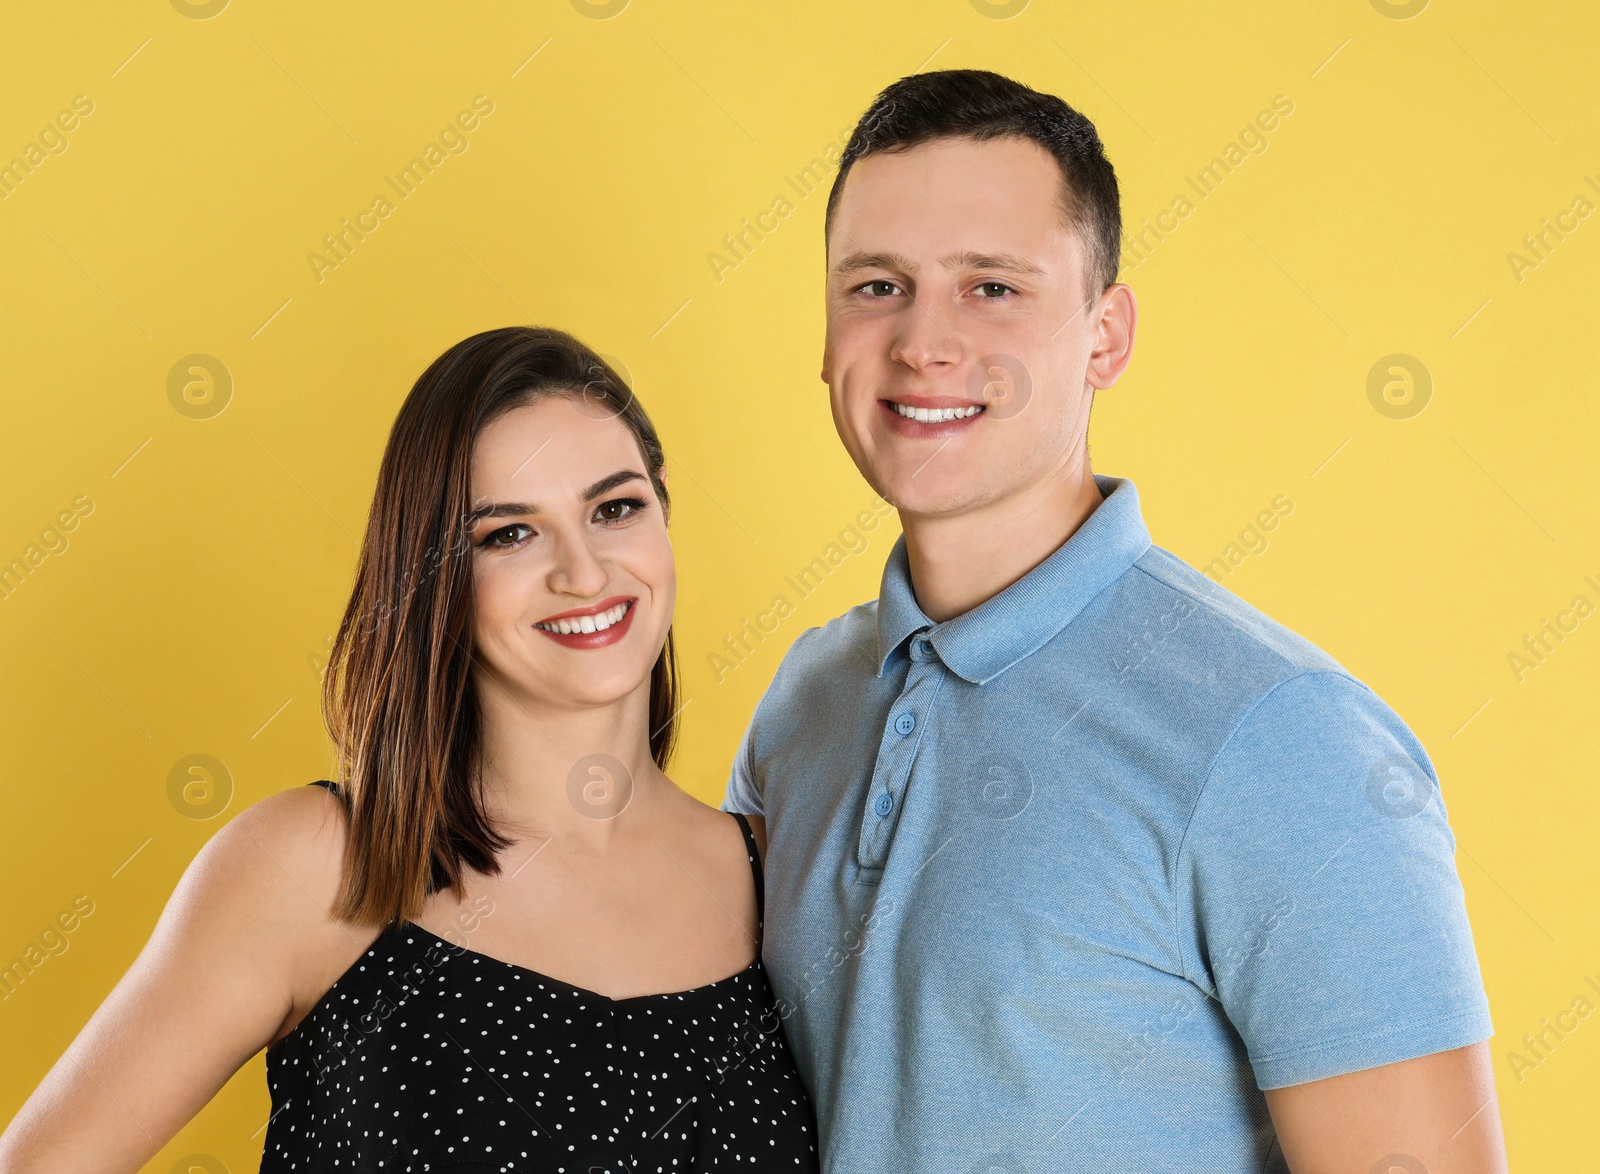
x: 504, y: 940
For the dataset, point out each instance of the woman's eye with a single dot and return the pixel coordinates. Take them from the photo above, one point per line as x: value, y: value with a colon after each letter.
x: 493, y: 537
x: 993, y: 289
x: 618, y: 508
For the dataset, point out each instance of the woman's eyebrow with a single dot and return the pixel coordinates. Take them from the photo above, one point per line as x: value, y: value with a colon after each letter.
x: 510, y: 509
x: 608, y: 483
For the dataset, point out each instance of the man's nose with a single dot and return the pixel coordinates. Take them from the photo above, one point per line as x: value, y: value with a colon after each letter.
x: 926, y: 338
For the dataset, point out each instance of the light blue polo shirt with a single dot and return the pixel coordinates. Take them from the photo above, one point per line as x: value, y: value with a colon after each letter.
x: 1063, y: 882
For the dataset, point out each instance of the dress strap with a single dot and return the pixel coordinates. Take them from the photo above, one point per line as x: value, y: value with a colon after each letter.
x: 334, y: 787
x: 755, y: 867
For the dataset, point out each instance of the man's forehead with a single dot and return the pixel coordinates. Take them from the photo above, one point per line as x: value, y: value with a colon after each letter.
x: 933, y: 205
x: 953, y: 168
x: 857, y: 260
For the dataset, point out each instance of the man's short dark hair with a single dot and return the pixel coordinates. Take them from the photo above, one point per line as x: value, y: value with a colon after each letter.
x: 980, y: 105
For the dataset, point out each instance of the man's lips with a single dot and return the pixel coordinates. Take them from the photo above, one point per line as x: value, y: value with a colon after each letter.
x: 931, y: 415
x: 918, y: 400
x: 596, y: 626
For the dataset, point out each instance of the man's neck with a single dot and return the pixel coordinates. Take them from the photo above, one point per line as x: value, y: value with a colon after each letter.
x: 959, y: 562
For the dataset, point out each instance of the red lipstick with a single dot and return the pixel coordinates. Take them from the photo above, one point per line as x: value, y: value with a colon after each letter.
x: 604, y: 612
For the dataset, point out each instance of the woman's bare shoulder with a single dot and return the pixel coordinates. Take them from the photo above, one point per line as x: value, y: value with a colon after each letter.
x: 266, y: 885
x: 291, y: 844
x: 244, y: 938
x: 279, y: 868
x: 722, y: 827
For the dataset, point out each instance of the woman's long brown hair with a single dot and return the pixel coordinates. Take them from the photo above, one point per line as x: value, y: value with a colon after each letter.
x: 399, y: 699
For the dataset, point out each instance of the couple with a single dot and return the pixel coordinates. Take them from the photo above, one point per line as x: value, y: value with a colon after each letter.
x: 1056, y: 856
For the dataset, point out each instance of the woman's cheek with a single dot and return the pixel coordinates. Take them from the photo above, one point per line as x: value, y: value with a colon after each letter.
x: 497, y: 601
x: 668, y: 576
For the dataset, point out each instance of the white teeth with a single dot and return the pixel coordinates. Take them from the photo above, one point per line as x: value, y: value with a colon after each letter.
x: 936, y: 415
x: 597, y: 623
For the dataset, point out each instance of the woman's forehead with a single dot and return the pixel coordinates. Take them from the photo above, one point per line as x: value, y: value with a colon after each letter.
x: 559, y: 443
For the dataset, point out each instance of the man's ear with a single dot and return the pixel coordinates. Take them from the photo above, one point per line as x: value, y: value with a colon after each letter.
x: 1113, y: 339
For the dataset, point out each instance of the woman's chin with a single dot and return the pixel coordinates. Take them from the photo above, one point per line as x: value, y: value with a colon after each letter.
x: 598, y: 688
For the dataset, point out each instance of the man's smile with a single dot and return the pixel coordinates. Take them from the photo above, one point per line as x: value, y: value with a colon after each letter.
x: 915, y: 415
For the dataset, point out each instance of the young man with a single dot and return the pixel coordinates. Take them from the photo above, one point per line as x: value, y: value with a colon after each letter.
x: 1077, y: 861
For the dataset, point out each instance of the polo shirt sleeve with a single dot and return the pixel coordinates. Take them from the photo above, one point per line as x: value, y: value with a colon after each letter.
x: 1317, y: 891
x: 744, y: 792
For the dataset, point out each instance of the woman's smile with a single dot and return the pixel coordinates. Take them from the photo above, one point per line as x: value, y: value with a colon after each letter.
x: 597, y: 626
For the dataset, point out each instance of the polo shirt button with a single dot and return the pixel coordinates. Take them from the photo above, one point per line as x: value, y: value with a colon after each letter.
x: 885, y: 804
x: 904, y: 724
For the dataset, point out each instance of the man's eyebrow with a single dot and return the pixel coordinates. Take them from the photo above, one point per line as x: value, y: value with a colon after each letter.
x: 969, y: 260
x: 857, y: 261
x: 1007, y: 261
x: 512, y: 509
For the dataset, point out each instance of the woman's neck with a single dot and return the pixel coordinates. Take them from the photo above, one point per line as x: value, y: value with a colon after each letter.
x: 583, y: 775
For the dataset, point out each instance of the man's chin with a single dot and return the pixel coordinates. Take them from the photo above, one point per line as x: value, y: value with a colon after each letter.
x: 926, y: 494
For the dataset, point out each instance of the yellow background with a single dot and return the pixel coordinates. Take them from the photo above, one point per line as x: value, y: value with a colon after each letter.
x: 188, y: 614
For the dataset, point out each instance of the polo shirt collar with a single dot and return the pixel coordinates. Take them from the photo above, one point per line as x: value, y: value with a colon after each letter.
x: 980, y: 644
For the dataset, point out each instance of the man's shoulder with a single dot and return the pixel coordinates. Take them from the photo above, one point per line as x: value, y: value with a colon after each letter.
x: 1226, y: 628
x: 827, y: 657
x: 851, y: 637
x: 1264, y: 675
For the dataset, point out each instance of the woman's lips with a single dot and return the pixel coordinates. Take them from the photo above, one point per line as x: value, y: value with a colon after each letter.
x: 600, y: 637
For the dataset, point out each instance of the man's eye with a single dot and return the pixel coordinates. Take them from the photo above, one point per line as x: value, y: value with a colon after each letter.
x: 881, y: 288
x: 993, y: 289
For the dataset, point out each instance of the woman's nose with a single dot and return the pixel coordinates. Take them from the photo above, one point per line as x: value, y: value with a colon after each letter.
x: 576, y: 570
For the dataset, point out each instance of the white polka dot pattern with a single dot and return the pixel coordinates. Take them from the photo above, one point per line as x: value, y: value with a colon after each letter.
x: 426, y: 1055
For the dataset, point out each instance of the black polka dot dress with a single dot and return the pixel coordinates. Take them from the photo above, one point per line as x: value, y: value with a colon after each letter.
x: 425, y: 1055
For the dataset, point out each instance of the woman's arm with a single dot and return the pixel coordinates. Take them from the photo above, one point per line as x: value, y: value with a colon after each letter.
x: 242, y: 943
